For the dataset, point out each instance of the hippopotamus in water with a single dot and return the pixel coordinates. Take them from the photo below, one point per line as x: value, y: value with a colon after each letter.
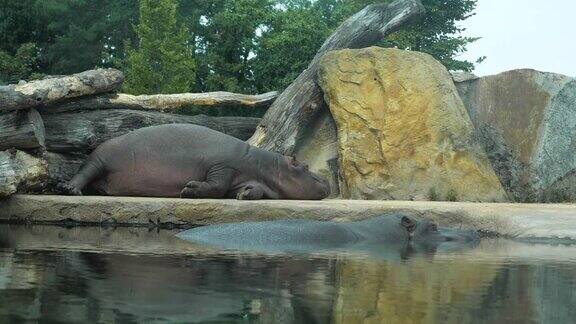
x: 316, y: 236
x: 190, y: 161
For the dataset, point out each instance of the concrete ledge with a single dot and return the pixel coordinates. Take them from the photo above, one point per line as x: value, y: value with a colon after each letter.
x: 526, y: 221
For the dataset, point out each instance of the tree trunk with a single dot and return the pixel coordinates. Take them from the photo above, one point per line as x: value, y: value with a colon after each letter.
x: 163, y: 102
x: 84, y: 130
x: 302, y: 101
x: 21, y: 172
x: 55, y: 89
x: 21, y: 129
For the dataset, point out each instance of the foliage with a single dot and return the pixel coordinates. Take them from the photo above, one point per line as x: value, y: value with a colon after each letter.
x: 18, y: 53
x: 71, y: 35
x: 163, y: 61
x: 238, y: 45
x: 20, y: 66
x: 293, y: 37
x: 19, y: 24
x: 298, y: 30
x: 226, y: 36
x: 437, y: 33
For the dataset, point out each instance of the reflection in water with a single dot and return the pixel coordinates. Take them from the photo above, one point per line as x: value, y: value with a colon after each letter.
x: 417, y: 291
x: 91, y: 287
x: 73, y: 275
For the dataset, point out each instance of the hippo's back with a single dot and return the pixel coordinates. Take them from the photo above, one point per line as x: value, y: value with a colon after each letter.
x: 273, y: 236
x: 175, y: 140
x: 160, y: 160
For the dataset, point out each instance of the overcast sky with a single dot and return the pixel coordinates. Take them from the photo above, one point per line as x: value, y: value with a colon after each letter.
x: 538, y: 34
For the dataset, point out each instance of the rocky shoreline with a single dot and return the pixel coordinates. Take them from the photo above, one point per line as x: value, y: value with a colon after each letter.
x: 549, y: 222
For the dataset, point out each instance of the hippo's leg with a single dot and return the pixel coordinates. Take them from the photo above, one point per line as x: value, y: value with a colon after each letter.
x: 217, y: 184
x: 91, y: 170
x: 250, y: 192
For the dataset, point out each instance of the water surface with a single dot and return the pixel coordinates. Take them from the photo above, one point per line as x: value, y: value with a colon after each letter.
x: 55, y: 274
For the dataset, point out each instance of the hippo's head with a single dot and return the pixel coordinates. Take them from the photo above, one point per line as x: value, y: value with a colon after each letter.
x: 424, y: 230
x: 297, y: 182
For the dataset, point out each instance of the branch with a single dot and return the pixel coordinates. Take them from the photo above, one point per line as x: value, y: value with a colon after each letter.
x: 55, y: 89
x: 163, y: 102
x: 83, y: 131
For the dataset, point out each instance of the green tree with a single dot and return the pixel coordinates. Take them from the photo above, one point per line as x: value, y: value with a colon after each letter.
x: 293, y: 37
x: 238, y: 45
x: 299, y: 27
x: 226, y: 35
x: 70, y: 36
x: 20, y: 66
x: 19, y: 31
x: 163, y: 61
x: 438, y: 33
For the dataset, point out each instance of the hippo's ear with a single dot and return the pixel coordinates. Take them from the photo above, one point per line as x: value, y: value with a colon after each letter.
x: 408, y: 224
x: 294, y: 160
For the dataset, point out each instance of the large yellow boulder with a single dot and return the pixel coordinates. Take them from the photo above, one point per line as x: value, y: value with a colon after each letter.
x: 403, y: 131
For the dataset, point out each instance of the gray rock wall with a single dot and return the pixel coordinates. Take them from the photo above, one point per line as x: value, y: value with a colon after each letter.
x: 526, y: 120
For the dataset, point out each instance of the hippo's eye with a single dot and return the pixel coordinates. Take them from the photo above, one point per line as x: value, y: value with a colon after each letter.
x: 433, y: 228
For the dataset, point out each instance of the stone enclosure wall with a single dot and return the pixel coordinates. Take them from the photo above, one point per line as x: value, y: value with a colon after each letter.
x: 526, y: 121
x: 398, y: 126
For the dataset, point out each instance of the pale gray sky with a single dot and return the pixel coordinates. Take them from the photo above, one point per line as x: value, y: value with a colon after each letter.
x: 537, y: 34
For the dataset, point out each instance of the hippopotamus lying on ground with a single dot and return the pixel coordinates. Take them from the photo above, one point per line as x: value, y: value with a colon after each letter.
x: 316, y: 236
x: 190, y: 161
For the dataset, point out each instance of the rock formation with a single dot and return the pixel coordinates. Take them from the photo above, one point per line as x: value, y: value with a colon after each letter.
x: 319, y: 149
x: 403, y: 132
x: 526, y: 120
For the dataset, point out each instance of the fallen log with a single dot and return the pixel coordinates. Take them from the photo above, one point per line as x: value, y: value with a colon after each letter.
x: 61, y: 168
x: 83, y: 131
x: 302, y: 101
x: 21, y: 172
x: 163, y: 102
x: 54, y: 89
x: 22, y: 129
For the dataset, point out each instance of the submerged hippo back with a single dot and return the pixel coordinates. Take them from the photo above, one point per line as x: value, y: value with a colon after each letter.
x: 301, y: 235
x: 379, y: 235
x: 273, y: 236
